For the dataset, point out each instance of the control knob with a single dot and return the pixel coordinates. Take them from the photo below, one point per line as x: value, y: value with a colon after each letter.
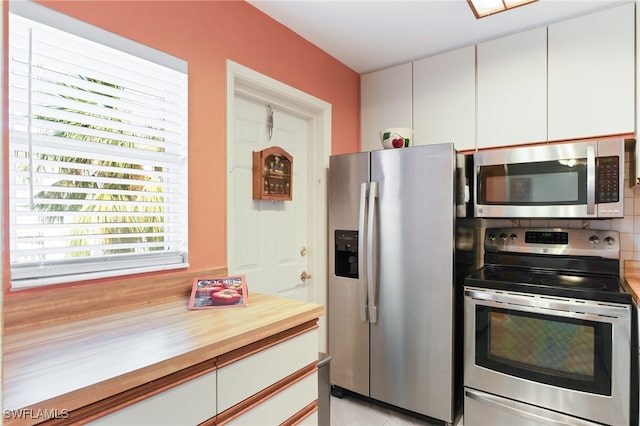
x: 503, y: 236
x: 492, y: 236
x: 609, y: 241
x: 594, y: 239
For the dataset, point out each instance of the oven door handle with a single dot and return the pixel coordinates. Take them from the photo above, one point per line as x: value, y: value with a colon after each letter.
x: 591, y: 180
x: 526, y: 411
x: 548, y: 303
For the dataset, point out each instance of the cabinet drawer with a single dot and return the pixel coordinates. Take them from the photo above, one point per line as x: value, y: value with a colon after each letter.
x: 282, y: 405
x: 188, y: 404
x: 248, y: 376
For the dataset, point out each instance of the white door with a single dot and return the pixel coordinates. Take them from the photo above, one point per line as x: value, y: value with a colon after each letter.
x: 267, y: 238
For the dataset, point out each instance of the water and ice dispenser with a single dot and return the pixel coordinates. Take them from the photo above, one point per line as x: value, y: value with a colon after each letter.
x: 346, y: 253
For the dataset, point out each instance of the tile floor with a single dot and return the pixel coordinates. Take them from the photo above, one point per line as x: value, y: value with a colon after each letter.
x: 353, y: 411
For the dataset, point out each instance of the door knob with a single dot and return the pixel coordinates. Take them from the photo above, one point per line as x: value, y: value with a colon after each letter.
x: 304, y: 276
x: 303, y: 251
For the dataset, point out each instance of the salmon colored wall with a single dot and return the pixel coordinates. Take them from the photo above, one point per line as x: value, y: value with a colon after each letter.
x: 206, y: 34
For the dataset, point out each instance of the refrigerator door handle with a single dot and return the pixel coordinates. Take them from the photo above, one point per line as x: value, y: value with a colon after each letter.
x: 371, y: 253
x: 362, y: 263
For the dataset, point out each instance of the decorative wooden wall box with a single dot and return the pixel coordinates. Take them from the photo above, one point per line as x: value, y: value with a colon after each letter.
x: 272, y: 173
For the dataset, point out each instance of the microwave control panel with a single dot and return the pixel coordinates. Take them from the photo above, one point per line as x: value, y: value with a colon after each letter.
x: 608, y: 179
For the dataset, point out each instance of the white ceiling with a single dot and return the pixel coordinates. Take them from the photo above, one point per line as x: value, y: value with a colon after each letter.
x: 369, y: 35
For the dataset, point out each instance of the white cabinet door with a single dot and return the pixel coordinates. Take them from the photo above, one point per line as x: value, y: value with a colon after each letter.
x: 512, y: 89
x: 445, y: 99
x: 385, y: 101
x: 591, y: 74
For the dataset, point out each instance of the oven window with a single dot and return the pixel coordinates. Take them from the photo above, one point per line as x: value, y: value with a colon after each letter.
x: 564, y: 352
x: 560, y: 182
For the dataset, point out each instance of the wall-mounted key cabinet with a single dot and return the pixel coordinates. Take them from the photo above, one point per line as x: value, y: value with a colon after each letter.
x: 272, y: 174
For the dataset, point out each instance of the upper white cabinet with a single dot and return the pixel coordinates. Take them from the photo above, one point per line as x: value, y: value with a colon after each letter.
x: 591, y: 74
x: 573, y: 79
x: 385, y: 101
x: 512, y: 89
x: 444, y: 99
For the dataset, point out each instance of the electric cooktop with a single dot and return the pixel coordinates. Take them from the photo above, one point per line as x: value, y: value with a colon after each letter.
x: 549, y: 282
x: 573, y: 263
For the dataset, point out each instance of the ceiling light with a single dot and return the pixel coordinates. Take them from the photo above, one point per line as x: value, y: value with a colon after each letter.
x: 482, y: 8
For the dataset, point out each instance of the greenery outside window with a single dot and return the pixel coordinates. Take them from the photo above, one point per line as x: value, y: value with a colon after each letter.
x: 97, y: 152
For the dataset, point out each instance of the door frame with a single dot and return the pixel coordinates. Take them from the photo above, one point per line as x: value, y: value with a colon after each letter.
x: 244, y: 81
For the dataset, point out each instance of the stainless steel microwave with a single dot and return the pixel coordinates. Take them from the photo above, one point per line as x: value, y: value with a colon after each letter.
x: 565, y: 180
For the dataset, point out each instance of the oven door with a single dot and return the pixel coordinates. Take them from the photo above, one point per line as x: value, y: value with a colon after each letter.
x: 566, y: 355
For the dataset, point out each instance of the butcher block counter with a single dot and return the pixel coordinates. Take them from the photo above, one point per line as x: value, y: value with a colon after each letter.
x: 632, y: 279
x: 80, y: 371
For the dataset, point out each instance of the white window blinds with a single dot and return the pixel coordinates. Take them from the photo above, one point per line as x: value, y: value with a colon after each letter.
x: 98, y: 152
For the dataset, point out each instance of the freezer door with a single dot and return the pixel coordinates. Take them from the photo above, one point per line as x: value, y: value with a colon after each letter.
x: 412, y: 340
x: 348, y: 326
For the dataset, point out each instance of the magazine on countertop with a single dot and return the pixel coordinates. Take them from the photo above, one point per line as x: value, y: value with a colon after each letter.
x: 222, y: 292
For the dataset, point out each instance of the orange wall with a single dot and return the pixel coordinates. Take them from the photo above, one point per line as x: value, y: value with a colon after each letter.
x: 206, y: 34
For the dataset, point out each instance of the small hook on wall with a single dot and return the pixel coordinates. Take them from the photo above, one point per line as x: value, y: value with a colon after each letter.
x: 269, y: 121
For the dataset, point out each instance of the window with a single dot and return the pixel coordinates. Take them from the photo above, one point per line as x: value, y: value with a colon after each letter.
x: 97, y: 152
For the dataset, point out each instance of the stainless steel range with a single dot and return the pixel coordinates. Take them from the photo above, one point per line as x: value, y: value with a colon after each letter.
x: 548, y: 330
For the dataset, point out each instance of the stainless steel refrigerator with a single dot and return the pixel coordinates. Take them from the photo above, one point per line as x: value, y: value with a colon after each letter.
x: 392, y: 218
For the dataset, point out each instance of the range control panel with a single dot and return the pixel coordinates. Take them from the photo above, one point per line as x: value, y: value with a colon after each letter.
x: 553, y: 241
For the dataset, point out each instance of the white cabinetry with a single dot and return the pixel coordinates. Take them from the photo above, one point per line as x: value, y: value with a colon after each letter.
x: 272, y: 381
x: 570, y: 80
x: 445, y: 99
x: 591, y: 74
x: 512, y: 89
x: 190, y: 403
x: 282, y: 406
x: 385, y: 101
x: 248, y: 376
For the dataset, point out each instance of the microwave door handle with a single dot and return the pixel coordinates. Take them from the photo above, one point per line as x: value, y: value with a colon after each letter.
x: 372, y: 259
x: 591, y: 180
x: 362, y: 255
x: 524, y: 411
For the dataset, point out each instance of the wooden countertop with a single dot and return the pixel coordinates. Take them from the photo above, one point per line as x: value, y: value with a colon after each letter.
x: 632, y: 279
x: 68, y: 366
